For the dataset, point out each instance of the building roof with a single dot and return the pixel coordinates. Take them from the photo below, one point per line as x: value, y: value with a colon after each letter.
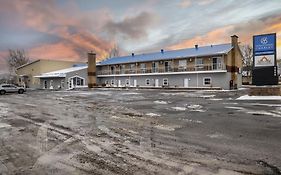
x: 66, y: 61
x: 27, y: 64
x: 61, y: 73
x: 173, y: 54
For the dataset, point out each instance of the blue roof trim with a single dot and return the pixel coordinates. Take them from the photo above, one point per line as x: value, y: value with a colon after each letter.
x: 173, y: 54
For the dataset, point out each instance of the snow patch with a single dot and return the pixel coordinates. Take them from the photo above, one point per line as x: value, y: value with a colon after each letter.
x: 4, y: 125
x: 247, y: 97
x: 269, y: 105
x: 230, y: 103
x: 131, y: 93
x: 216, y: 99
x: 216, y: 135
x: 160, y: 102
x: 196, y: 108
x: 192, y: 121
x: 3, y: 109
x: 264, y: 113
x: 179, y: 108
x: 235, y: 107
x: 95, y: 93
x: 167, y: 128
x: 153, y: 114
x: 115, y: 117
x: 256, y: 112
x: 207, y: 96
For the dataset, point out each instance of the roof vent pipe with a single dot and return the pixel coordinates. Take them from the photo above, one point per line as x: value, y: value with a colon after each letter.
x: 162, y: 50
x: 196, y: 46
x: 133, y: 54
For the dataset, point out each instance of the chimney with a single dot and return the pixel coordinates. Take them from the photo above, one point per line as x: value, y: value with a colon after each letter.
x: 162, y: 50
x: 235, y: 62
x: 92, y: 78
x: 234, y: 40
x: 133, y: 54
x: 196, y: 46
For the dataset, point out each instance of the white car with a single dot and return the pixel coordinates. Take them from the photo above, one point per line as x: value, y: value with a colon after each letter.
x: 10, y: 88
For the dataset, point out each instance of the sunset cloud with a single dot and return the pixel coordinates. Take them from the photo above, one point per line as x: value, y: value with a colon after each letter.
x: 188, y: 3
x: 73, y: 36
x: 208, y: 39
x: 132, y: 27
x: 245, y: 31
x: 185, y: 3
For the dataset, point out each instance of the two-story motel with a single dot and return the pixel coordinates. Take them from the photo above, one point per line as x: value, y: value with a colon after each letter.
x: 214, y: 66
x: 198, y: 67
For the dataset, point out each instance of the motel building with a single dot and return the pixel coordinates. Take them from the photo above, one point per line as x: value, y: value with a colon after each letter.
x: 70, y: 78
x: 204, y: 67
x: 215, y: 66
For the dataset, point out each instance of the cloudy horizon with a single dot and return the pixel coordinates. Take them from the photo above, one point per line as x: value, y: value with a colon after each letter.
x: 68, y: 29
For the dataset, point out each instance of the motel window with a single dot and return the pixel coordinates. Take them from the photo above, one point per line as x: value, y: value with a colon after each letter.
x: 167, y: 66
x: 122, y: 69
x: 77, y: 81
x: 199, y: 61
x: 143, y: 67
x: 155, y: 66
x: 147, y: 81
x: 112, y: 69
x: 165, y: 82
x: 182, y: 64
x: 207, y: 81
x: 132, y: 68
x: 62, y: 83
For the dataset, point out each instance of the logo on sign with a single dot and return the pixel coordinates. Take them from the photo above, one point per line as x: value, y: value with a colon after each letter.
x: 264, y: 40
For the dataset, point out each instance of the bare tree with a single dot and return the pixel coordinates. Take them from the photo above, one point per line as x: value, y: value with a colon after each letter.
x: 247, y: 59
x: 15, y: 59
x: 114, y: 52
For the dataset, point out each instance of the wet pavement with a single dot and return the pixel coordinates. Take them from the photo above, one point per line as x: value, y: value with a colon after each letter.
x: 106, y: 131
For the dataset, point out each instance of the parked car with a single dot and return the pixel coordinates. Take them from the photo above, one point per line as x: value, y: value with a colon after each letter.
x: 10, y: 88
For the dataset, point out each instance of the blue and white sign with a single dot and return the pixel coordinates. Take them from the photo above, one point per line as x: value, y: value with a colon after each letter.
x: 265, y: 50
x: 265, y: 43
x: 265, y: 69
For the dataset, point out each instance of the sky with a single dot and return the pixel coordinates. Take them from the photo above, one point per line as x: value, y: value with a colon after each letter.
x: 68, y: 29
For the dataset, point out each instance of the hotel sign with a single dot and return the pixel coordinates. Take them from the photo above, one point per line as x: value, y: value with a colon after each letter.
x: 265, y: 43
x: 264, y: 60
x: 264, y: 69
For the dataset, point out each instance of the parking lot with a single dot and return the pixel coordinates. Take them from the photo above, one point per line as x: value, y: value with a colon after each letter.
x: 106, y: 131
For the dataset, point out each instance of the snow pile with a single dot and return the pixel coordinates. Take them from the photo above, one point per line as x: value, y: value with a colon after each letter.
x: 247, y: 97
